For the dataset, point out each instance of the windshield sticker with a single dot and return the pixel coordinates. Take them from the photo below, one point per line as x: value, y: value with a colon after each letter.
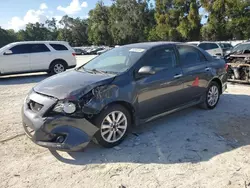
x: 137, y: 50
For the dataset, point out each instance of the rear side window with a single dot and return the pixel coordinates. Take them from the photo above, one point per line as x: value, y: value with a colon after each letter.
x: 163, y: 58
x: 37, y: 48
x: 190, y: 55
x: 21, y: 49
x: 59, y: 47
x: 208, y: 46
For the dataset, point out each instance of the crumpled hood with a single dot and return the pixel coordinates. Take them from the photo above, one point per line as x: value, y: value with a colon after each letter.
x: 72, y: 84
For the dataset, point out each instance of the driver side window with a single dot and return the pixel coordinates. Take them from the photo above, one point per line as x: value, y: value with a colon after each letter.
x: 161, y: 58
x: 21, y: 49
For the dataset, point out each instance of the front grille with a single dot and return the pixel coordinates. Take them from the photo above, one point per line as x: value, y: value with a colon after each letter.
x: 34, y: 106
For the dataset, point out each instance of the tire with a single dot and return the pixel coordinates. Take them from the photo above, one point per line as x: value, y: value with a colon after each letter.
x: 211, y: 101
x: 57, y: 67
x: 109, y: 129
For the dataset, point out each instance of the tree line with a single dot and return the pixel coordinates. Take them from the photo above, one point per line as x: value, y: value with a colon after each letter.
x: 129, y: 21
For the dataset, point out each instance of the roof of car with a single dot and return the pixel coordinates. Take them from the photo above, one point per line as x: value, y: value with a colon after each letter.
x: 209, y: 42
x: 35, y: 42
x: 149, y: 45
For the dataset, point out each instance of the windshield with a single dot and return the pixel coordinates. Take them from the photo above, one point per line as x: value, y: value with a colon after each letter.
x: 241, y: 47
x: 116, y: 60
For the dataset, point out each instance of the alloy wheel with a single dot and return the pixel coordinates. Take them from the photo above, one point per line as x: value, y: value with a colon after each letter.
x: 213, y: 95
x: 58, y: 68
x: 114, y: 126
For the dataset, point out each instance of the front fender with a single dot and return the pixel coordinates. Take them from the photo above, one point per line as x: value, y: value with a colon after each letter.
x: 104, y: 97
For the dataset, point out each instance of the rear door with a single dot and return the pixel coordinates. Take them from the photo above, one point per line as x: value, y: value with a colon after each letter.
x: 163, y: 90
x: 18, y: 61
x: 40, y: 57
x: 196, y: 71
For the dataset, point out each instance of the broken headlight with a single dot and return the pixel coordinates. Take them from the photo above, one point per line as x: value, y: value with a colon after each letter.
x: 67, y: 107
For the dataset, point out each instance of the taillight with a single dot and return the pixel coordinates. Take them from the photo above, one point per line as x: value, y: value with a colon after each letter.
x: 226, y: 66
x: 74, y: 54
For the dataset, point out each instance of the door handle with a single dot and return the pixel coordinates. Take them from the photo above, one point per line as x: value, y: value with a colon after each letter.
x: 207, y: 69
x: 178, y: 76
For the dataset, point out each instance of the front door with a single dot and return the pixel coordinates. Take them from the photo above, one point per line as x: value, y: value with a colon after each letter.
x: 162, y: 90
x: 18, y: 61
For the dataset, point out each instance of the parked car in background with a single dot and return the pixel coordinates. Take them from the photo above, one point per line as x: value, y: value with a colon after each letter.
x: 23, y: 57
x: 122, y: 88
x: 103, y: 51
x: 238, y: 60
x: 241, y: 48
x: 196, y: 43
x: 215, y: 48
x: 79, y: 51
x: 93, y: 51
x: 225, y: 47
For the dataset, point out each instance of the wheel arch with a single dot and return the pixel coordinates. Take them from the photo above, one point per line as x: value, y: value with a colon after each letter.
x: 61, y: 60
x: 218, y: 81
x: 128, y: 106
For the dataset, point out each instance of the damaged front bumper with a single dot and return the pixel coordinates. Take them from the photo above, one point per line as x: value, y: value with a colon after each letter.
x: 58, y: 132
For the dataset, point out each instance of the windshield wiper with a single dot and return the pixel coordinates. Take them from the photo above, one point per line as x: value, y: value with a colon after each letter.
x: 111, y: 72
x: 86, y: 70
x: 95, y: 70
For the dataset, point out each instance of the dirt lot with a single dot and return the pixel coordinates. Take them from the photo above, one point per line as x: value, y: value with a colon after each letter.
x: 192, y: 148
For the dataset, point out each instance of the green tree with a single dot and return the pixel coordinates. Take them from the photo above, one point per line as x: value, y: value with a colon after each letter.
x: 167, y: 15
x: 7, y: 36
x: 215, y: 29
x: 130, y: 21
x: 228, y: 19
x: 34, y: 32
x: 238, y: 19
x: 99, y: 32
x: 80, y: 32
x: 52, y: 27
x: 73, y: 31
x: 177, y: 20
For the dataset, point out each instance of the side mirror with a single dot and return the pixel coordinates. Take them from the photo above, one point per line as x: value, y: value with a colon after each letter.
x: 8, y: 52
x: 146, y: 70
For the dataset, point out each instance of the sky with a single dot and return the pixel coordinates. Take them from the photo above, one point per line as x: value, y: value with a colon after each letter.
x: 15, y: 14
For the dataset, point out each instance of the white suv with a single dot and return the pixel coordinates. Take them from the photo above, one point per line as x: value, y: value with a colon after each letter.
x: 38, y: 56
x: 215, y: 48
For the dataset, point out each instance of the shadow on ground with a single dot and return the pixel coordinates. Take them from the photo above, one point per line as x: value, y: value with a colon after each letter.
x: 192, y: 135
x: 22, y: 79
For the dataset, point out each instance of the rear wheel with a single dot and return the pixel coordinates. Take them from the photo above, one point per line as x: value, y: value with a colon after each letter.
x: 114, y: 123
x: 212, y: 96
x: 57, y: 67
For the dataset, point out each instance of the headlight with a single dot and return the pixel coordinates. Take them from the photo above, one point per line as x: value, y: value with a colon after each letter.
x: 247, y: 58
x: 67, y: 107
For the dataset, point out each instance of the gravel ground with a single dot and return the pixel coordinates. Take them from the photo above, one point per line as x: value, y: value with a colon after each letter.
x: 191, y: 148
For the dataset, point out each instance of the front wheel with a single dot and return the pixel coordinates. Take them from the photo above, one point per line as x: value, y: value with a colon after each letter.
x: 114, y: 123
x: 212, y: 96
